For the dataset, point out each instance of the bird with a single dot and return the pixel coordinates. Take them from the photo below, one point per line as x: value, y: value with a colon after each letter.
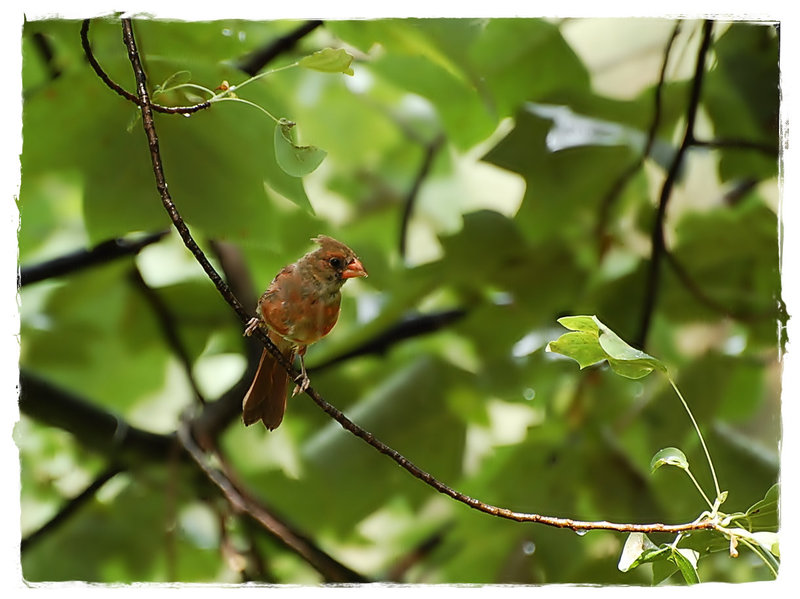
x: 300, y: 307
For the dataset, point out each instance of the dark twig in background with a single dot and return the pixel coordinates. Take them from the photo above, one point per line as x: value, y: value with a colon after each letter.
x: 332, y: 570
x: 72, y: 506
x: 95, y: 428
x: 619, y: 184
x: 419, y: 554
x: 166, y: 321
x: 657, y: 241
x: 78, y: 260
x: 411, y: 197
x: 738, y: 144
x: 45, y: 49
x: 704, y: 298
x: 410, y: 327
x: 258, y: 59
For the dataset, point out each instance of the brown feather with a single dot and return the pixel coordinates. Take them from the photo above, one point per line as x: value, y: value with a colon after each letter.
x: 266, y: 398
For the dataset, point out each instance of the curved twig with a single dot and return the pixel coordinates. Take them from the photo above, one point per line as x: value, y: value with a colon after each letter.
x: 87, y: 50
x: 411, y: 197
x: 657, y: 240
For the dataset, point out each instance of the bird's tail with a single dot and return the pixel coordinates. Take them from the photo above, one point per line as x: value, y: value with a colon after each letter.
x: 266, y: 398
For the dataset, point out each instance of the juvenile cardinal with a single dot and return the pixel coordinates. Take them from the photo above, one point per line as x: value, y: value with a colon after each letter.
x: 299, y: 307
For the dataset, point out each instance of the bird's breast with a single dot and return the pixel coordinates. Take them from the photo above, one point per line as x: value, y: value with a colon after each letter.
x: 302, y: 318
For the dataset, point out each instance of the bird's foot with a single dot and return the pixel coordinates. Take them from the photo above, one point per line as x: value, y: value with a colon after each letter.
x: 252, y: 325
x: 303, y: 383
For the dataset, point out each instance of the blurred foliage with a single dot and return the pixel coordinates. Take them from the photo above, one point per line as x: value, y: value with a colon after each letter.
x: 506, y: 226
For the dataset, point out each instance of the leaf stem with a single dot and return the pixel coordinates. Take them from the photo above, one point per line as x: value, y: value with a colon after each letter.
x: 699, y: 488
x: 702, y: 441
x: 253, y: 104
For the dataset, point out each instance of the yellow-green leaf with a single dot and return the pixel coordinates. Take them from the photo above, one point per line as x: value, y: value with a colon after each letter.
x: 329, y: 60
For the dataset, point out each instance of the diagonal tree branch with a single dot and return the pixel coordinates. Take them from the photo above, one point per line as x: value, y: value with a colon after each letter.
x: 346, y: 423
x: 431, y: 149
x: 619, y: 184
x: 658, y: 247
x: 71, y: 507
x: 258, y: 59
x: 166, y: 321
x: 94, y: 427
x: 78, y: 260
x: 332, y: 570
x: 111, y: 436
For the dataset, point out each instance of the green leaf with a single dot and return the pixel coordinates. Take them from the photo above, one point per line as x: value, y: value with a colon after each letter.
x: 686, y: 560
x: 639, y: 549
x: 295, y: 160
x: 762, y: 515
x: 581, y: 347
x: 594, y: 342
x: 669, y: 456
x: 329, y: 60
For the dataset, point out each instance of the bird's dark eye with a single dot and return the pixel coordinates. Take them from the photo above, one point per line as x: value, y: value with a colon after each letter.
x: 335, y: 262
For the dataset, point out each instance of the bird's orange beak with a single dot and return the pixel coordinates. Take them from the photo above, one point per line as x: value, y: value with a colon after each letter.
x: 354, y: 269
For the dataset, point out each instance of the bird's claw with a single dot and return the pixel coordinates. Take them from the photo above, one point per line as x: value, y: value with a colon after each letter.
x: 303, y: 383
x: 252, y: 325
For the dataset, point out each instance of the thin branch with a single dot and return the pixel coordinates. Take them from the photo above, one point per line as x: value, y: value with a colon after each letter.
x: 408, y: 328
x: 258, y: 59
x: 71, y: 507
x: 577, y: 525
x: 331, y: 570
x: 87, y: 50
x: 166, y: 320
x: 411, y: 197
x: 42, y: 43
x: 78, y: 260
x: 737, y: 144
x: 694, y: 289
x: 166, y: 199
x: 657, y: 241
x: 347, y: 424
x: 419, y: 553
x: 621, y: 182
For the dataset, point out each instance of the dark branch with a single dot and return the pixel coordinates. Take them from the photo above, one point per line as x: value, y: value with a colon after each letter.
x: 87, y: 50
x: 42, y: 44
x: 71, y: 507
x: 411, y: 197
x: 166, y: 198
x: 331, y: 570
x: 738, y: 144
x: 166, y: 321
x: 701, y: 296
x: 75, y: 261
x: 657, y: 241
x: 94, y: 427
x: 418, y: 554
x: 619, y: 184
x: 410, y: 327
x: 258, y: 59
